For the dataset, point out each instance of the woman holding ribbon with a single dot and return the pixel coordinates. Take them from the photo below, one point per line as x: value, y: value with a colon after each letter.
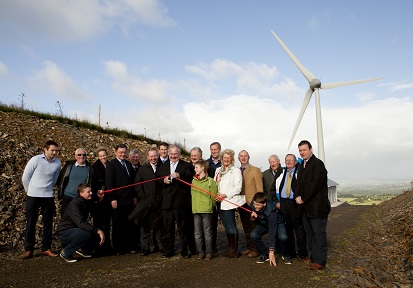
x: 229, y: 182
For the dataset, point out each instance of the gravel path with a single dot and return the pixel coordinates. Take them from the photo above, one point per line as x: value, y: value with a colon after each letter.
x: 133, y: 270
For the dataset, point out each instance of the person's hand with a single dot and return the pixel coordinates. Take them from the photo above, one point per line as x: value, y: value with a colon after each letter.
x: 114, y: 204
x: 167, y: 180
x: 272, y: 261
x: 175, y: 175
x: 253, y: 216
x: 298, y: 200
x: 278, y: 205
x: 221, y: 197
x: 101, y: 194
x: 102, y: 237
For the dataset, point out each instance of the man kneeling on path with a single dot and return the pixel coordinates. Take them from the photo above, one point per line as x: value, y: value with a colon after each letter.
x: 74, y: 231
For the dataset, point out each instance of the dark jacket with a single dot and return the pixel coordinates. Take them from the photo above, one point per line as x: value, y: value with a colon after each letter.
x: 312, y: 187
x: 76, y: 216
x: 97, y: 176
x: 211, y: 172
x: 269, y: 218
x: 148, y: 208
x: 177, y: 194
x: 64, y: 177
x: 117, y: 176
x: 273, y: 189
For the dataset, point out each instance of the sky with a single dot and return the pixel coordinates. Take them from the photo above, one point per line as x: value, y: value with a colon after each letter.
x: 194, y: 72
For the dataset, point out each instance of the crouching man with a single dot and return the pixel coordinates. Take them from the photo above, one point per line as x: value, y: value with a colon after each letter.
x: 269, y: 220
x: 74, y: 231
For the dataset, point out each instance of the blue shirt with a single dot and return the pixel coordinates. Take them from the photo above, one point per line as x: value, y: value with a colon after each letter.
x: 40, y: 176
x: 283, y: 195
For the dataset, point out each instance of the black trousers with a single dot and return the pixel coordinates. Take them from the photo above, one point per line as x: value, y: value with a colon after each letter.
x: 248, y: 227
x: 170, y: 217
x: 124, y: 231
x: 295, y: 228
x: 47, y: 209
x: 101, y: 219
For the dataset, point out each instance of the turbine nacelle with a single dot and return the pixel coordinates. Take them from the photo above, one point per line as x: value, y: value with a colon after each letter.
x: 315, y: 84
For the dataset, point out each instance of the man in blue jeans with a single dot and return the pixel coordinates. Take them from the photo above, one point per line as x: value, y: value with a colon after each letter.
x: 269, y: 220
x: 74, y: 231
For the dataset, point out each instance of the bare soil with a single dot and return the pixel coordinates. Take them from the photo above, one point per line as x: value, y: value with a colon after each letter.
x: 133, y: 270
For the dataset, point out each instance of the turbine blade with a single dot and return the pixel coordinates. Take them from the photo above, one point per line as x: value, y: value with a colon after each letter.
x: 307, y: 74
x: 300, y: 116
x: 338, y: 84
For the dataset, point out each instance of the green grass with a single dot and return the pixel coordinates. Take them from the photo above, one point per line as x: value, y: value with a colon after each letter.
x: 81, y: 124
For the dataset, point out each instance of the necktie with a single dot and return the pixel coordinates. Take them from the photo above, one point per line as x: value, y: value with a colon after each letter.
x: 305, y: 162
x: 242, y: 170
x: 288, y: 185
x: 124, y: 166
x: 154, y: 168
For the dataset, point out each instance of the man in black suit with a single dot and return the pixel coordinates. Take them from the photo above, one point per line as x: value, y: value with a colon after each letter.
x: 289, y: 208
x: 119, y: 174
x: 176, y: 201
x: 312, y: 196
x: 150, y: 200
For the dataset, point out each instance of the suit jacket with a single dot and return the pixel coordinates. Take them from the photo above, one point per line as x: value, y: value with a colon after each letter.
x: 117, y: 176
x: 149, y: 192
x: 267, y: 182
x: 251, y: 182
x: 148, y: 208
x: 312, y: 187
x: 176, y: 195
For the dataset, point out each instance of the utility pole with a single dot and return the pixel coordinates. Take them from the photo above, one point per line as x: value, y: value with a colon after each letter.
x: 99, y: 116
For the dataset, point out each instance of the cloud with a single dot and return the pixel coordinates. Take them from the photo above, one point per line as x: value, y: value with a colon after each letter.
x: 225, y: 77
x: 76, y: 20
x: 404, y: 86
x: 52, y: 79
x: 133, y: 86
x: 365, y: 96
x: 3, y: 69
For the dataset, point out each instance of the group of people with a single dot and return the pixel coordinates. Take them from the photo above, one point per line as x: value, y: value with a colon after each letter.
x: 138, y: 207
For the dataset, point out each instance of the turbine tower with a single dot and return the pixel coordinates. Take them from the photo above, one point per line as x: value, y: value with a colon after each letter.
x: 315, y: 86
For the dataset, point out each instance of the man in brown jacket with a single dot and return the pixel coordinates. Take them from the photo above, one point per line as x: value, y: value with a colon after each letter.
x: 251, y: 184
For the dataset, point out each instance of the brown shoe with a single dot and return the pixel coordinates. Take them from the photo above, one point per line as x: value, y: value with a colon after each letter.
x: 246, y: 252
x: 253, y: 254
x: 305, y: 259
x: 28, y: 255
x: 315, y: 266
x: 49, y: 253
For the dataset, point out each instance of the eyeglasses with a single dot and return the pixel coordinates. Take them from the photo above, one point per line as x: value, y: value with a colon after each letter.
x: 84, y: 155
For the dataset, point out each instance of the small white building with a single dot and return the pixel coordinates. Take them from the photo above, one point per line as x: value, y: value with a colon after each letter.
x: 332, y: 190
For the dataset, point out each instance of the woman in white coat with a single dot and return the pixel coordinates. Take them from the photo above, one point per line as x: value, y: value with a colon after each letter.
x: 229, y: 182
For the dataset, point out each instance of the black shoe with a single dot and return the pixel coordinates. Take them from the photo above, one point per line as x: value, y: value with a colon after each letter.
x: 167, y: 255
x: 262, y: 259
x: 84, y: 254
x: 287, y: 260
x: 145, y: 253
x: 156, y: 249
x: 69, y: 259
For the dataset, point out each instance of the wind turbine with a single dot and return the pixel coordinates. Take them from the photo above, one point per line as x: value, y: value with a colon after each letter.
x: 315, y: 86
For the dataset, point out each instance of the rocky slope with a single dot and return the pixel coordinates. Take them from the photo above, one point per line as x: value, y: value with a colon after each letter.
x: 23, y: 136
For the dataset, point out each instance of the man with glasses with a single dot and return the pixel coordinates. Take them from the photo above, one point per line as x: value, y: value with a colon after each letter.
x: 74, y: 172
